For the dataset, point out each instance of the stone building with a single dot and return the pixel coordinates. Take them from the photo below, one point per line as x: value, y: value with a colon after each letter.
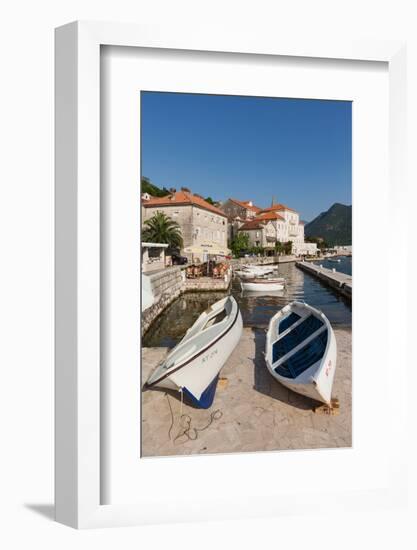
x: 289, y: 227
x: 201, y: 223
x: 261, y: 233
x: 244, y: 216
x: 237, y: 213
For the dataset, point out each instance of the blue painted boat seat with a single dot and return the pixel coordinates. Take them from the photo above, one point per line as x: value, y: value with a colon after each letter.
x: 304, y: 358
x: 287, y: 322
x: 299, y: 333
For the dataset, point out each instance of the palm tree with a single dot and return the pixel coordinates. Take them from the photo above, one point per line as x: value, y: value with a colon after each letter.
x: 162, y: 229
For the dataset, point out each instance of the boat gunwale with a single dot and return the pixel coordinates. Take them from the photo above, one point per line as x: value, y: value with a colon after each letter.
x: 317, y: 313
x: 177, y: 368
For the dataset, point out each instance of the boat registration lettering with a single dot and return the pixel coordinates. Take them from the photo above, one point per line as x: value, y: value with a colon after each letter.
x: 209, y: 355
x: 328, y: 368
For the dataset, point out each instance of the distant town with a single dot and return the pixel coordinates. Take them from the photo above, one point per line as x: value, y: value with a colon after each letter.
x: 200, y: 226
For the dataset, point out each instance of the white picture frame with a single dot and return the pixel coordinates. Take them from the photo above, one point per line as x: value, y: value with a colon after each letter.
x: 78, y: 449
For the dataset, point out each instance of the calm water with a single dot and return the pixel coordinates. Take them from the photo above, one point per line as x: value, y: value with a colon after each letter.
x: 344, y: 266
x: 256, y: 308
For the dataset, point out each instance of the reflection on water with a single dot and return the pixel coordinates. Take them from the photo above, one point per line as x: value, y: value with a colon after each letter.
x: 257, y: 308
x: 168, y: 329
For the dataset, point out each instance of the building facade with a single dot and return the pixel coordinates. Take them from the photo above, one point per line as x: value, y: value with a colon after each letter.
x: 285, y: 222
x: 261, y: 233
x: 201, y: 223
x: 289, y: 227
x: 245, y: 210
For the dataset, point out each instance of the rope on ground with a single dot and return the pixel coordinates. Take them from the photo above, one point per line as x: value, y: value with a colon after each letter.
x: 185, y: 422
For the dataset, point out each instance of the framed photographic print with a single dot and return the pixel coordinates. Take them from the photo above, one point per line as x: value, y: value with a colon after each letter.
x: 216, y: 197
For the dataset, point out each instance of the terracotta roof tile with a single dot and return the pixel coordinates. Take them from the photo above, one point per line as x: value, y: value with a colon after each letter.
x: 278, y: 207
x: 245, y: 204
x: 252, y: 224
x: 182, y: 198
x: 269, y: 216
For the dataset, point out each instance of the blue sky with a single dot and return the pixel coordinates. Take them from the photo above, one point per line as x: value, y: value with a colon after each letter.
x: 250, y: 148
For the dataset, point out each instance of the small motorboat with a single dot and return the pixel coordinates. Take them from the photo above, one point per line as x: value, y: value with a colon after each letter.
x: 247, y: 274
x: 258, y: 267
x: 193, y: 366
x: 301, y: 351
x: 334, y: 260
x: 263, y: 285
x: 250, y: 271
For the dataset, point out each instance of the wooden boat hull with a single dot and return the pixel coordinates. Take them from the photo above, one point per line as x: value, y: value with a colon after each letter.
x: 263, y: 285
x: 196, y: 374
x: 309, y: 367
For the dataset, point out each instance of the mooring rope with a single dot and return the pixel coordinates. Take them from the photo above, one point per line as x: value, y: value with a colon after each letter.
x: 185, y: 422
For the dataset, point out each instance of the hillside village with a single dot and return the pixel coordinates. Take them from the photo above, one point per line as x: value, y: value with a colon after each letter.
x: 217, y: 228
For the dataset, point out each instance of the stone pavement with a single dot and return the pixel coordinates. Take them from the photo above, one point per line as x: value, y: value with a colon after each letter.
x: 256, y: 413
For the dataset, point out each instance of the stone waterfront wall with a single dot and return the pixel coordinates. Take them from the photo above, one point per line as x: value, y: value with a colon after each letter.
x: 264, y: 260
x: 166, y: 286
x: 337, y: 280
x: 208, y: 284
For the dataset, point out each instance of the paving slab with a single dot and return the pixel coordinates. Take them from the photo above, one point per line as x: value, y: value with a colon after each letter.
x: 252, y: 412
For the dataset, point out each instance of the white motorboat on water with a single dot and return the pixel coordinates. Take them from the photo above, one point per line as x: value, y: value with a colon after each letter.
x: 259, y: 267
x: 301, y: 351
x: 193, y: 366
x: 247, y: 274
x: 333, y: 260
x: 249, y: 271
x: 263, y: 285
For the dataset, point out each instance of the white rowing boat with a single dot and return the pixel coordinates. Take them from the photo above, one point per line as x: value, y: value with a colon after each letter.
x: 301, y: 351
x: 193, y: 366
x: 263, y: 285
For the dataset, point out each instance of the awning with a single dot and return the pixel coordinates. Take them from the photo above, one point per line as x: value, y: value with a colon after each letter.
x: 211, y: 249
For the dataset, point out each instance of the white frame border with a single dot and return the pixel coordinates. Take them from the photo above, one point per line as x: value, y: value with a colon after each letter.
x: 77, y: 240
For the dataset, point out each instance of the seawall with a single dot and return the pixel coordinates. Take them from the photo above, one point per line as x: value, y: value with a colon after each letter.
x: 166, y: 286
x: 340, y: 282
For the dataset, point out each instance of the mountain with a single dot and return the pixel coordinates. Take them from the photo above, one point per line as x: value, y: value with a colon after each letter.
x: 334, y: 226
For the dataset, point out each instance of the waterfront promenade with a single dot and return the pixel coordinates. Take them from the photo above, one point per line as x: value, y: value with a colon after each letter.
x: 254, y: 411
x: 340, y: 282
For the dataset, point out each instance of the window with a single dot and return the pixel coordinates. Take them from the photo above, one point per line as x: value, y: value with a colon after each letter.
x: 175, y: 213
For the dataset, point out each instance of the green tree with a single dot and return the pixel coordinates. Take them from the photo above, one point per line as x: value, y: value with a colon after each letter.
x: 148, y: 187
x: 279, y: 248
x: 240, y: 243
x: 288, y: 247
x: 162, y: 229
x: 257, y: 250
x: 209, y: 200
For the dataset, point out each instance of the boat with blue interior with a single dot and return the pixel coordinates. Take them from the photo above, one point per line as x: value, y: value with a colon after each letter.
x: 301, y: 351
